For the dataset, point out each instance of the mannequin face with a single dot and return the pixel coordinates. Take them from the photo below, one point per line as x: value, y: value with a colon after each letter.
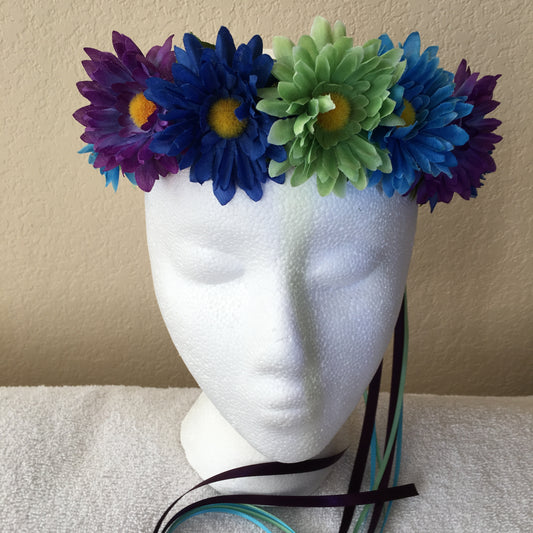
x: 281, y: 309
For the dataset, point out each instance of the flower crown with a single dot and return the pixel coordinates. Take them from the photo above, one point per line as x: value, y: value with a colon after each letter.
x: 371, y: 115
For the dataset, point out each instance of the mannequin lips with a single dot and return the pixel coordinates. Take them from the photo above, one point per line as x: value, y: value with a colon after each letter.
x: 289, y: 401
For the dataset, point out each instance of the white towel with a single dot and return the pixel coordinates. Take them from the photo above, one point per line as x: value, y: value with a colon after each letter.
x: 108, y: 459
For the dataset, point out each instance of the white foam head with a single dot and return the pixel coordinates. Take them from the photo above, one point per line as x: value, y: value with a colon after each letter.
x: 281, y: 309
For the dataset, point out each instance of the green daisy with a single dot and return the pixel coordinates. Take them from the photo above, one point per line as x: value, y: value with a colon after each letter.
x: 329, y: 96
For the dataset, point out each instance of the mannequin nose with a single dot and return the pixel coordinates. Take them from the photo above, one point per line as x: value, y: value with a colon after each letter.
x: 284, y: 339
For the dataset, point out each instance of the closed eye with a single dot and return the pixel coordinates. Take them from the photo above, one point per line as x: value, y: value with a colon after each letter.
x: 208, y: 266
x: 341, y: 268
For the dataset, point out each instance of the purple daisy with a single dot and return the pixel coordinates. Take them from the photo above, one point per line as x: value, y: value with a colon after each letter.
x: 474, y: 159
x: 120, y: 121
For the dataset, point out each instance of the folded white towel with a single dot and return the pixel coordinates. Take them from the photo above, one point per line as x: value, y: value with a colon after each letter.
x: 108, y: 459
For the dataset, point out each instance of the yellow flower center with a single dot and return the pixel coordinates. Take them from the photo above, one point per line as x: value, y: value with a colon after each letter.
x: 336, y: 118
x: 221, y: 117
x: 140, y: 109
x: 408, y: 113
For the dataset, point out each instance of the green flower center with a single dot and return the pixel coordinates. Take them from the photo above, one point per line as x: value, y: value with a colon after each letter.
x: 336, y: 118
x: 221, y: 117
x: 140, y: 109
x: 408, y: 114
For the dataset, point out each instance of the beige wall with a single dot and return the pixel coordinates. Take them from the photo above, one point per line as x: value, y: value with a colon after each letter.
x: 76, y: 299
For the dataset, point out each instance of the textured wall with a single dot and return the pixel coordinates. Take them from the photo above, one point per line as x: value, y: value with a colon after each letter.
x: 76, y: 300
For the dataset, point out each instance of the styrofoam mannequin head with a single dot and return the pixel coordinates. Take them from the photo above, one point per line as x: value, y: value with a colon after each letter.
x: 281, y: 309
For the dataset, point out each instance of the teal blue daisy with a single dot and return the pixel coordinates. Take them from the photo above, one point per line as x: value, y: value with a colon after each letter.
x: 111, y: 175
x: 426, y: 103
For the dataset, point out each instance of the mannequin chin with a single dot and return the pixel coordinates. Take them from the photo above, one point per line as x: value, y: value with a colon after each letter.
x: 282, y: 310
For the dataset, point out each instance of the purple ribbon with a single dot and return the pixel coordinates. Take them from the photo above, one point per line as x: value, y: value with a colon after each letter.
x: 363, y: 448
x: 257, y: 470
x: 328, y: 500
x: 397, y: 359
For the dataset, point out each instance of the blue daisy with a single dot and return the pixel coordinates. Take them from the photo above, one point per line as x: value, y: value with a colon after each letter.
x: 425, y: 101
x: 214, y: 126
x: 111, y: 175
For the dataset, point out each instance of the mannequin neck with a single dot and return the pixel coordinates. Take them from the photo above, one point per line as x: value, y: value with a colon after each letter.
x: 213, y: 446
